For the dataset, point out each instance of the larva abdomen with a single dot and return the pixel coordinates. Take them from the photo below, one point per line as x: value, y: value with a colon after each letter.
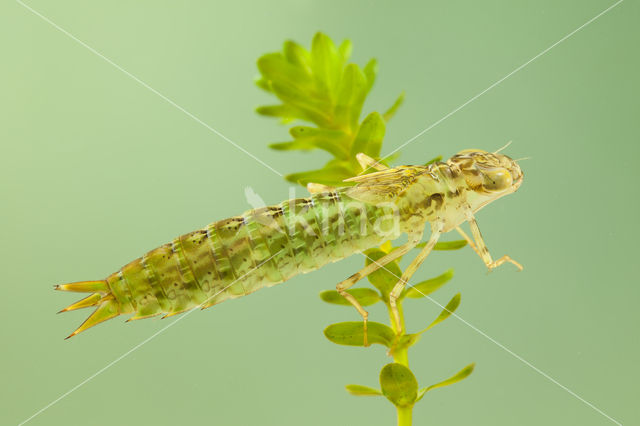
x: 231, y: 258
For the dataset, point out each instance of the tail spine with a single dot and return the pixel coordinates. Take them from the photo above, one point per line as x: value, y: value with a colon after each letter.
x: 101, y: 296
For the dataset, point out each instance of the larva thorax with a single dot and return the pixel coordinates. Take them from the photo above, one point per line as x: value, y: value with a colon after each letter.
x: 446, y: 191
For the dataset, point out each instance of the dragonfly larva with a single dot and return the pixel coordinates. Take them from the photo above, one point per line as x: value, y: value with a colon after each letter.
x: 266, y: 246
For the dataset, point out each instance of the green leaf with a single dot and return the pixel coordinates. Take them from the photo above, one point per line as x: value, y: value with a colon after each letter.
x: 297, y: 55
x: 351, y: 96
x: 370, y: 71
x: 293, y: 145
x: 360, y: 390
x: 392, y: 111
x: 315, y: 109
x: 307, y: 132
x: 445, y: 245
x: 282, y: 111
x: 399, y: 385
x: 387, y: 246
x: 460, y: 375
x: 331, y: 175
x: 263, y: 83
x: 351, y: 333
x: 384, y: 278
x: 274, y: 67
x: 332, y: 141
x: 345, y: 50
x: 369, y: 137
x: 365, y: 296
x: 387, y: 160
x: 326, y: 63
x: 450, y: 245
x: 446, y: 312
x: 434, y: 160
x: 427, y: 287
x: 406, y: 340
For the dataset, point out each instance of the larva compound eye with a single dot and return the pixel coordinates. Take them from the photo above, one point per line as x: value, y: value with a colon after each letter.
x: 496, y: 179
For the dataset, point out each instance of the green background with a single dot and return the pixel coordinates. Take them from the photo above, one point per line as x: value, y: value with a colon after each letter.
x: 97, y: 169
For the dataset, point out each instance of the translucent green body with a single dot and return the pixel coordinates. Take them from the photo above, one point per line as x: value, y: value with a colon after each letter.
x: 266, y: 246
x: 237, y: 256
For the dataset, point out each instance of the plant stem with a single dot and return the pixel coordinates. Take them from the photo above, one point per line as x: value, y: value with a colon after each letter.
x: 401, y: 356
x: 404, y: 416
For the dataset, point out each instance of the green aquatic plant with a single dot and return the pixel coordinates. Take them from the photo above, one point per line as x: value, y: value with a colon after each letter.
x: 321, y: 87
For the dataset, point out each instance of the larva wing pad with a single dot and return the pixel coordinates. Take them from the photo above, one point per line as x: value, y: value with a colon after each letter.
x: 385, y: 185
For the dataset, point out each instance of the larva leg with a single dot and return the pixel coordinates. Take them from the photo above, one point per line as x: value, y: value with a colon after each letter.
x: 436, y: 231
x: 469, y: 240
x: 481, y: 248
x: 368, y: 162
x: 372, y: 267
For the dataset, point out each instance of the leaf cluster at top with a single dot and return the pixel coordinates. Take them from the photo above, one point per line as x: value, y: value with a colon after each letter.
x: 321, y: 87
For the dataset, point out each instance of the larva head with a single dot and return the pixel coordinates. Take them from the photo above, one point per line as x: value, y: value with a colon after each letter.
x: 489, y: 174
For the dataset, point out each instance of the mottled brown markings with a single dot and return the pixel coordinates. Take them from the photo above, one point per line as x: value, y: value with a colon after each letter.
x: 246, y: 242
x: 263, y: 235
x: 295, y: 216
x: 344, y: 231
x: 276, y: 211
x: 321, y: 209
x: 229, y: 232
x: 316, y: 224
x: 212, y: 257
x: 121, y: 291
x: 152, y: 277
x: 219, y: 253
x: 184, y: 268
x: 127, y: 284
x: 141, y: 292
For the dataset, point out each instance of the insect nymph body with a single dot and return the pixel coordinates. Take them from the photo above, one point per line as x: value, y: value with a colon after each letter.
x: 266, y: 246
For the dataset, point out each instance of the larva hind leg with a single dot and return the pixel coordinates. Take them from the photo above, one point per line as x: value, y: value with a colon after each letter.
x: 342, y: 286
x: 436, y: 231
x: 469, y: 240
x: 368, y: 162
x: 481, y: 248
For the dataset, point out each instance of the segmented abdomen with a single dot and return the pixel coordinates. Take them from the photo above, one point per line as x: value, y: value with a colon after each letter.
x: 237, y: 256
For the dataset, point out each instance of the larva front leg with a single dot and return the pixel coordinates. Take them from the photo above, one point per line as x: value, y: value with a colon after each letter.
x: 342, y: 286
x: 481, y: 248
x: 436, y: 231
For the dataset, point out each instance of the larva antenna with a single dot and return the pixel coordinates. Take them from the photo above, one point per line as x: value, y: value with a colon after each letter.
x: 508, y: 143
